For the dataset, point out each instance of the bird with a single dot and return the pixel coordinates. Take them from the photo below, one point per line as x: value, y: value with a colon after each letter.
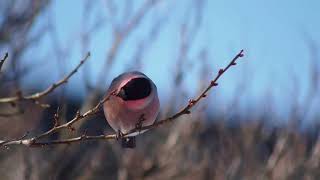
x: 133, y: 103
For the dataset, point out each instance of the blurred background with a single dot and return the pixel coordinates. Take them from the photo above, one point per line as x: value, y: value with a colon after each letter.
x: 261, y: 122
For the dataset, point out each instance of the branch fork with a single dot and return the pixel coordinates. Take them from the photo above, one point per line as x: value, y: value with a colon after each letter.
x: 36, y: 140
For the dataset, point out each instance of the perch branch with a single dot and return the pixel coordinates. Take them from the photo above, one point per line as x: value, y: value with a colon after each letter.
x: 34, y: 141
x: 34, y: 97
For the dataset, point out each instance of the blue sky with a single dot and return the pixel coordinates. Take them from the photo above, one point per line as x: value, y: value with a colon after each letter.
x: 274, y: 35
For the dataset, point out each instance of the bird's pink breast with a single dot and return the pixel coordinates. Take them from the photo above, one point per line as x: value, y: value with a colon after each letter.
x: 136, y: 104
x: 122, y: 116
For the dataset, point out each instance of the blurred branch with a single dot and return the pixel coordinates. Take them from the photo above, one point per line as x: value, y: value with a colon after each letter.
x: 10, y: 114
x: 33, y: 142
x: 276, y: 155
x: 314, y: 83
x: 34, y: 97
x: 147, y: 43
x: 120, y: 35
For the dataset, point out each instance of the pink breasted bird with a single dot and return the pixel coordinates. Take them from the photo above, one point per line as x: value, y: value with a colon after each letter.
x: 135, y: 103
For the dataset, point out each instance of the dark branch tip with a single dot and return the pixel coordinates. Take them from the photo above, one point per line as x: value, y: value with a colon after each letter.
x: 213, y: 83
x: 78, y: 114
x: 191, y: 102
x: 241, y: 53
x: 5, y: 57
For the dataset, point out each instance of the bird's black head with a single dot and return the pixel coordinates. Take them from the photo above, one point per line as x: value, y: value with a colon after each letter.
x: 137, y: 88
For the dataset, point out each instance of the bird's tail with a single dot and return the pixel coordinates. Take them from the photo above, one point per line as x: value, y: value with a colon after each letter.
x: 128, y: 142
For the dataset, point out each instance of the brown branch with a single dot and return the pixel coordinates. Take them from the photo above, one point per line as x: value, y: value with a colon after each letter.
x: 3, y: 60
x: 34, y: 97
x: 192, y: 102
x: 34, y: 141
x: 77, y: 117
x: 10, y: 114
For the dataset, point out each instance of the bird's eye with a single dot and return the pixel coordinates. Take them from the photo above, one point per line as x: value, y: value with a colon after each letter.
x: 122, y: 94
x: 137, y: 88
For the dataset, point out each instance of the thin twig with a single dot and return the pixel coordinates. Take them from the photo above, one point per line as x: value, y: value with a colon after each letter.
x: 33, y: 142
x: 77, y: 117
x: 192, y: 102
x: 3, y: 60
x: 45, y: 92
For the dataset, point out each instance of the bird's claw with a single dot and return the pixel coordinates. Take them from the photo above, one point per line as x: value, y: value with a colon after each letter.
x: 119, y: 135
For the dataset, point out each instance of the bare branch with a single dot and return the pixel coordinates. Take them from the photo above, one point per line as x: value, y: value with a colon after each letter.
x: 77, y: 117
x: 3, y: 60
x: 10, y: 114
x: 45, y: 92
x: 192, y: 102
x: 34, y: 141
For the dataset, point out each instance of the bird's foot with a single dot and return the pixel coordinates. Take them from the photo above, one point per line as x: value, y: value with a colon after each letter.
x: 119, y: 135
